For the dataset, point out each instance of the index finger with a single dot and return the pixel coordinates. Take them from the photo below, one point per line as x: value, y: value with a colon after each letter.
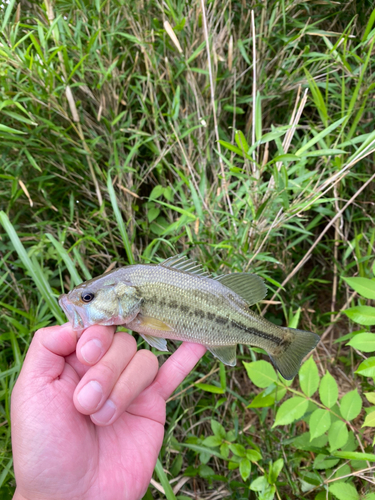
x: 177, y: 367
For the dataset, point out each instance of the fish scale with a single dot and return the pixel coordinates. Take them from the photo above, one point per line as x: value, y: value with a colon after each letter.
x: 178, y: 300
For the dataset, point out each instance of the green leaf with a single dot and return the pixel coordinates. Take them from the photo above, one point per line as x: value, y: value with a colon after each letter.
x: 275, y: 470
x: 164, y: 481
x: 253, y: 455
x: 218, y: 429
x: 367, y: 367
x: 224, y: 450
x: 364, y: 286
x: 338, y: 435
x: 370, y: 397
x: 309, y: 377
x: 261, y: 373
x: 76, y: 279
x: 319, y: 422
x: 369, y: 420
x: 245, y: 468
x: 343, y: 491
x: 350, y: 405
x: 265, y: 399
x: 33, y: 269
x: 238, y: 449
x: 212, y: 441
x: 210, y: 388
x: 292, y: 409
x: 364, y: 315
x: 328, y: 390
x: 259, y: 484
x: 9, y: 130
x: 363, y: 342
x: 119, y: 220
x: 320, y: 136
x: 354, y: 455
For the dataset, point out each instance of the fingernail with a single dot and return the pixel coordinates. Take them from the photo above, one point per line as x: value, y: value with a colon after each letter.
x: 106, y: 412
x: 92, y: 351
x: 90, y: 395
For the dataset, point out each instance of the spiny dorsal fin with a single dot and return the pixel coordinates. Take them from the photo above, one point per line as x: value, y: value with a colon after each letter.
x: 182, y: 263
x: 248, y: 286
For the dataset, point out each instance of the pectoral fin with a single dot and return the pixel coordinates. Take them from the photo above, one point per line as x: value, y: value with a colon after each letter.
x: 226, y: 354
x: 153, y: 323
x: 157, y: 342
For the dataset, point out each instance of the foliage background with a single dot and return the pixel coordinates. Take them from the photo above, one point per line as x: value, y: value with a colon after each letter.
x: 112, y: 152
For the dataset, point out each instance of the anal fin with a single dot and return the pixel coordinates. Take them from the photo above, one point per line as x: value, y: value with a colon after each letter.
x: 226, y: 354
x: 157, y: 342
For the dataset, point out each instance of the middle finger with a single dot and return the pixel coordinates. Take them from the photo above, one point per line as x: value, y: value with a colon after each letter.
x: 98, y: 382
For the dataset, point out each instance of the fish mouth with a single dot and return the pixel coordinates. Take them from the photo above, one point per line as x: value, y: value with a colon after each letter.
x: 71, y: 313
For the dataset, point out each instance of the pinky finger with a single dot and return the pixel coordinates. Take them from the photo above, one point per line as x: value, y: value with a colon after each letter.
x: 136, y: 377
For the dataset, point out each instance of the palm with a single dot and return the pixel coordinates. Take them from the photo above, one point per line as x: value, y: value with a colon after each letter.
x: 59, y: 452
x: 104, y: 461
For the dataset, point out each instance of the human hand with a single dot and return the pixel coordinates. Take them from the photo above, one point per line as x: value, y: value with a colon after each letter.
x: 88, y: 420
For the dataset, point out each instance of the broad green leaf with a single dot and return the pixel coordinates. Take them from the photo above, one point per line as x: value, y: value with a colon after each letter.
x: 350, y: 405
x: 245, y: 468
x: 369, y: 420
x: 364, y: 286
x: 364, y: 315
x: 363, y: 342
x: 224, y: 450
x: 264, y: 399
x: 259, y: 484
x: 367, y: 367
x: 323, y: 462
x: 292, y: 409
x: 261, y: 373
x: 309, y: 377
x: 253, y: 455
x: 370, y: 397
x: 218, y: 429
x: 328, y: 390
x: 343, y: 491
x: 338, y: 435
x: 275, y: 470
x: 212, y: 441
x: 319, y: 422
x: 238, y: 449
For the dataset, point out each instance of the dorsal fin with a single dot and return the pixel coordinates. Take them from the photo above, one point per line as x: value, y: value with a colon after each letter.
x: 248, y: 286
x: 182, y: 263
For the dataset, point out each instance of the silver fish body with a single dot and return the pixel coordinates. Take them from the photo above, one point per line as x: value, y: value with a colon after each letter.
x: 178, y: 300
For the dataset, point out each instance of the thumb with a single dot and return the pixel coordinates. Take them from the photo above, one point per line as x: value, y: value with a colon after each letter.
x: 45, y: 358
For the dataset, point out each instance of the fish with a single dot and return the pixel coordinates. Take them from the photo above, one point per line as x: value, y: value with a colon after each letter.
x: 177, y: 299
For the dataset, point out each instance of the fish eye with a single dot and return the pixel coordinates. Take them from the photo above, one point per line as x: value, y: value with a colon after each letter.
x: 87, y: 296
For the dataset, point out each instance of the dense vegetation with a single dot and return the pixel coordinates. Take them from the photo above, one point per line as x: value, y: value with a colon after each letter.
x: 122, y: 141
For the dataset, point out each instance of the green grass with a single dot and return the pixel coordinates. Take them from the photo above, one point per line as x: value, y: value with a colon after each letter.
x: 111, y: 152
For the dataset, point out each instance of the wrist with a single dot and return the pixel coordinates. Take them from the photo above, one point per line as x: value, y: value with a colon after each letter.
x: 17, y: 495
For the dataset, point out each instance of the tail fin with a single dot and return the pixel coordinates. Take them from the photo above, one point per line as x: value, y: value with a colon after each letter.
x: 289, y: 361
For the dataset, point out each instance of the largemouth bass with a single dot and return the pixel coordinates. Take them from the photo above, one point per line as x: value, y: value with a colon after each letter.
x: 178, y: 300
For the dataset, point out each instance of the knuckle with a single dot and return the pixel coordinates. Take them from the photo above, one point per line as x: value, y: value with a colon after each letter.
x: 128, y: 341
